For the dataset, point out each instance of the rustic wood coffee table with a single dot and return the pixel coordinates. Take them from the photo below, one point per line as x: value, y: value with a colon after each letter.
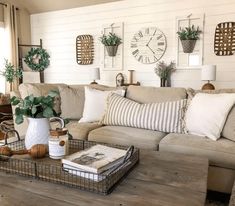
x: 159, y: 179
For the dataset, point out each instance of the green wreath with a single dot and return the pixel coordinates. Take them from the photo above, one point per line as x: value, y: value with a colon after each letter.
x: 37, y: 59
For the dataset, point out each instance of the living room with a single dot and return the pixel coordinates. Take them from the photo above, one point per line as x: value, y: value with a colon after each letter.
x: 167, y: 87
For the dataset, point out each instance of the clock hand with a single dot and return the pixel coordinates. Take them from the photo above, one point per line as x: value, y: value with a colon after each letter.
x: 149, y: 41
x: 150, y: 49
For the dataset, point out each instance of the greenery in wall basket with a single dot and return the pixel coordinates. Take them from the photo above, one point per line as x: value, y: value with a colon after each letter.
x: 34, y: 107
x: 110, y: 40
x: 10, y: 72
x: 189, y: 33
x: 37, y: 59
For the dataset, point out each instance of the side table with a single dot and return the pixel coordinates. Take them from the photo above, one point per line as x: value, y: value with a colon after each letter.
x: 5, y: 114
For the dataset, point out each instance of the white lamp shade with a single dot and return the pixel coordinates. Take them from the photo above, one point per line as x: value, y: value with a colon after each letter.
x: 95, y: 73
x: 208, y: 73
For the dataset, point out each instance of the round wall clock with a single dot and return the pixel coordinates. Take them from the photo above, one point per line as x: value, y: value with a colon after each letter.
x: 148, y: 45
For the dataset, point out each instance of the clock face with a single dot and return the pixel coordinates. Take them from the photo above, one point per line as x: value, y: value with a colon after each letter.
x: 148, y: 45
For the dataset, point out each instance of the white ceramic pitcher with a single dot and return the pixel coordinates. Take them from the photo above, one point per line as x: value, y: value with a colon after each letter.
x: 38, y: 131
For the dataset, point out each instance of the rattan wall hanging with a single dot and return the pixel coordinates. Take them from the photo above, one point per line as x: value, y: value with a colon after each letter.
x: 224, y: 42
x: 84, y: 49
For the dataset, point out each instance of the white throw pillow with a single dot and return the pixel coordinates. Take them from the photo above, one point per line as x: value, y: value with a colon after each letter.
x: 95, y: 103
x: 207, y: 113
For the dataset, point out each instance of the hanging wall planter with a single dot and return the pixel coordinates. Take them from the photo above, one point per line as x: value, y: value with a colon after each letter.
x: 188, y: 45
x: 111, y: 43
x: 112, y: 50
x: 188, y: 37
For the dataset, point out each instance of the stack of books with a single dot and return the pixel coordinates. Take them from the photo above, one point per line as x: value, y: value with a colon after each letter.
x: 94, y: 163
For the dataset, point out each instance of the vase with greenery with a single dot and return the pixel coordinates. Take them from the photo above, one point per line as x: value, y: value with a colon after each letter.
x: 11, y: 73
x: 188, y: 37
x: 37, y: 110
x: 111, y: 43
x: 164, y: 70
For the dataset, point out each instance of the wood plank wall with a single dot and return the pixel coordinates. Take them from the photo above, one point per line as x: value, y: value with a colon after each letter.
x: 59, y: 30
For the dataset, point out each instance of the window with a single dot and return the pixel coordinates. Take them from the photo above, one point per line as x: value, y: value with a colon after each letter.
x: 2, y: 56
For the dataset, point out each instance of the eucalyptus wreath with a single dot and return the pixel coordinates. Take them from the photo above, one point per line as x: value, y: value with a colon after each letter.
x: 37, y: 59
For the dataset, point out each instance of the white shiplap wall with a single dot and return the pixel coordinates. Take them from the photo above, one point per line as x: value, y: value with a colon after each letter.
x: 59, y: 30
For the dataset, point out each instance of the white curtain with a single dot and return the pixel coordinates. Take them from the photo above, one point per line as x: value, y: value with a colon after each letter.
x: 10, y: 21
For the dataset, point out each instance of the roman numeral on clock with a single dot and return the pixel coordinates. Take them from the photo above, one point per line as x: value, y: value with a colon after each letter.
x: 159, y: 37
x: 140, y: 59
x: 133, y: 45
x: 135, y: 53
x: 155, y: 58
x: 147, y: 60
x: 140, y: 34
x: 147, y: 31
x: 160, y: 43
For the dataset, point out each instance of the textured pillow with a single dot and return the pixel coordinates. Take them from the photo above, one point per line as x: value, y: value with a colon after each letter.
x: 164, y: 117
x: 72, y: 101
x: 207, y: 113
x: 95, y: 101
x: 229, y: 128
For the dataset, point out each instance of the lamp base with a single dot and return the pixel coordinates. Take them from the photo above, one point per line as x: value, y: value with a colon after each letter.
x: 208, y: 86
x: 94, y: 82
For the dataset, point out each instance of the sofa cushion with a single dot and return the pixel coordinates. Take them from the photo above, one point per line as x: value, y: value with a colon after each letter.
x: 220, y: 153
x: 141, y: 138
x: 229, y: 128
x: 143, y: 94
x: 78, y: 130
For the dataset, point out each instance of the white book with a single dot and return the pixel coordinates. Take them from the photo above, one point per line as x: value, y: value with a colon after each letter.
x: 96, y: 159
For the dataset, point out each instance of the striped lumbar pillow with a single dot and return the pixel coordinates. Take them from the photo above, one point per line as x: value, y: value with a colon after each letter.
x: 164, y: 117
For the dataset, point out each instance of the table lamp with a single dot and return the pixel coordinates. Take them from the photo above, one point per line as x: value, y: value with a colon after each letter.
x: 208, y: 73
x: 95, y: 75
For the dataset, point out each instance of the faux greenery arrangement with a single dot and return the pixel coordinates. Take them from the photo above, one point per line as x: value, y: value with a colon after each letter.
x: 10, y: 72
x: 34, y: 107
x: 110, y: 40
x: 189, y: 33
x: 164, y: 70
x: 37, y: 59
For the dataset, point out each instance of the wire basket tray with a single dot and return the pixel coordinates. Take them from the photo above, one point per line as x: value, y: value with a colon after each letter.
x: 51, y: 170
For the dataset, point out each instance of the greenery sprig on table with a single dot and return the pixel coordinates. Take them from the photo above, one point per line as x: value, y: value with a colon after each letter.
x: 34, y: 107
x: 110, y: 40
x: 189, y: 33
x: 10, y: 72
x: 37, y: 59
x: 164, y: 70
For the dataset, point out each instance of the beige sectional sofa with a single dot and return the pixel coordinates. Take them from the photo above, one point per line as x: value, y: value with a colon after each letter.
x: 221, y: 153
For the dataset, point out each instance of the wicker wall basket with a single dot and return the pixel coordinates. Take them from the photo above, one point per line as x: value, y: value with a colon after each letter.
x: 112, y: 50
x: 188, y: 45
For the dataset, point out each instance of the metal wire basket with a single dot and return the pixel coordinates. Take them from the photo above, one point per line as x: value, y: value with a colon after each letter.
x: 50, y: 170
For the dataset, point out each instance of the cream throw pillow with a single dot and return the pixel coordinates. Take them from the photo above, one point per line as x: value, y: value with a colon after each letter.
x: 207, y: 113
x: 95, y: 102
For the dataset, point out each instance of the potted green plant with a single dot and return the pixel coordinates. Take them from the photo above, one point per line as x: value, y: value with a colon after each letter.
x: 37, y: 110
x: 11, y: 73
x: 164, y: 71
x: 188, y: 37
x: 111, y: 43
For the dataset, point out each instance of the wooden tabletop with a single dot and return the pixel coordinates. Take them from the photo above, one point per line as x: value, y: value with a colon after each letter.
x: 160, y: 179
